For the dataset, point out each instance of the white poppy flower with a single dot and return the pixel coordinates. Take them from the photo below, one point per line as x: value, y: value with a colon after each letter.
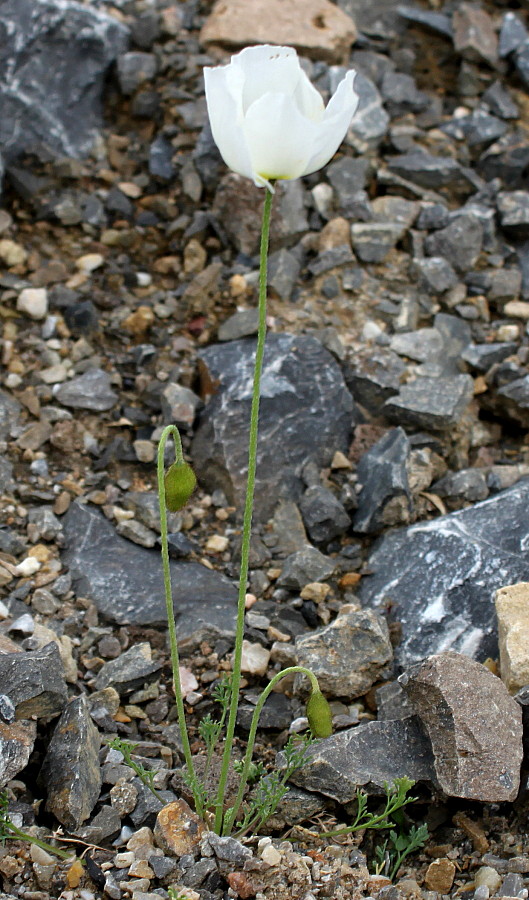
x: 268, y: 120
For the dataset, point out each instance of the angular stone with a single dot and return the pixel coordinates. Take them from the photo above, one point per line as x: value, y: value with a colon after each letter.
x: 283, y: 271
x: 48, y: 106
x: 383, y: 479
x: 460, y: 242
x: 89, y: 391
x: 178, y: 830
x: 130, y: 671
x: 373, y: 376
x: 481, y: 357
x: 317, y: 28
x: 467, y: 484
x: 16, y: 745
x: 512, y: 609
x: 441, y: 575
x: 512, y: 400
x: 440, y: 875
x: 323, y: 515
x: 419, y: 345
x: 437, y: 22
x: 372, y: 241
x: 348, y: 176
x: 301, y: 385
x: 513, y: 34
x: 179, y: 405
x: 513, y: 207
x: 10, y: 410
x: 347, y: 656
x: 305, y: 567
x: 370, y: 121
x: 431, y: 403
x: 34, y: 681
x: 500, y: 102
x: 474, y: 34
x: 433, y: 172
x: 125, y: 581
x: 71, y: 769
x: 474, y: 725
x: 243, y: 323
x: 371, y: 755
x: 133, y: 69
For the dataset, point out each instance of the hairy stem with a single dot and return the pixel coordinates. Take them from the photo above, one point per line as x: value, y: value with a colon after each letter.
x: 248, y: 512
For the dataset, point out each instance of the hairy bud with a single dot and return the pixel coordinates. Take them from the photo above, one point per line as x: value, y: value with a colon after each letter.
x: 180, y: 482
x: 319, y: 715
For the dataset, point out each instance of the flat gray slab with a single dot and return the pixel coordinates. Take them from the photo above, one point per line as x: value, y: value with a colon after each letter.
x: 440, y: 577
x: 125, y: 581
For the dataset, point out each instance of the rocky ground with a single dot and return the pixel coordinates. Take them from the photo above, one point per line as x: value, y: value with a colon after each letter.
x: 392, y: 502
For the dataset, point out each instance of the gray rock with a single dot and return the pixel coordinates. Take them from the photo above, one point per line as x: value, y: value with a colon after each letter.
x: 512, y: 400
x: 521, y: 62
x: 513, y: 34
x: 16, y: 745
x: 383, y: 477
x: 296, y: 806
x: 146, y: 509
x: 481, y: 357
x: 467, y: 484
x: 324, y: 516
x: 71, y: 771
x: 419, y: 345
x: 227, y: 849
x: 348, y: 176
x: 283, y: 271
x: 44, y: 105
x: 373, y: 376
x: 301, y: 385
x: 370, y: 121
x: 179, y: 405
x: 392, y: 702
x: 347, y: 656
x: 500, y: 102
x: 507, y: 159
x: 474, y: 725
x: 34, y: 681
x: 243, y: 323
x: 45, y: 524
x: 125, y: 581
x: 161, y: 154
x: 288, y: 529
x: 433, y: 172
x: 134, y: 68
x: 137, y: 533
x: 88, y: 391
x: 10, y: 410
x: 478, y: 129
x: 431, y: 403
x: 305, y: 567
x: 331, y: 259
x: 401, y: 94
x: 474, y: 34
x: 366, y: 755
x: 130, y: 671
x: 460, y: 242
x: 437, y: 22
x: 513, y: 207
x: 441, y: 576
x: 372, y: 241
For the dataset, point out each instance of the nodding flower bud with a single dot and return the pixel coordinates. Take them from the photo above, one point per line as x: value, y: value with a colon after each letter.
x: 180, y: 482
x: 319, y: 715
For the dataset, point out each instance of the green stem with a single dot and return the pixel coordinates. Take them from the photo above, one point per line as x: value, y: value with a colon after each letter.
x: 175, y: 661
x: 49, y: 848
x: 248, y: 511
x: 253, y: 731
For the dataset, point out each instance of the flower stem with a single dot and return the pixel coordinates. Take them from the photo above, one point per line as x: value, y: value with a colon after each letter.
x: 175, y: 661
x: 248, y: 511
x: 291, y: 670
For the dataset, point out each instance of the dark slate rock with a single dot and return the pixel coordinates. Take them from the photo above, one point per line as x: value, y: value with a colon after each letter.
x: 369, y: 755
x: 125, y: 581
x: 383, y: 480
x: 401, y: 94
x: 432, y: 216
x: 467, y: 484
x: 480, y: 357
x: 507, y: 159
x: 512, y: 400
x: 522, y: 252
x: 331, y: 259
x: 469, y: 717
x: 392, y: 702
x: 130, y: 671
x: 460, y: 242
x: 71, y: 771
x: 434, y: 172
x: 500, y: 102
x: 283, y: 271
x: 436, y: 22
x: 373, y: 376
x: 521, y: 62
x: 16, y: 745
x: 45, y: 105
x: 442, y: 575
x: 477, y: 129
x: 161, y: 154
x: 275, y: 715
x: 10, y: 410
x: 88, y: 391
x: 133, y: 69
x: 420, y: 345
x: 347, y: 656
x: 431, y: 403
x: 513, y: 207
x: 370, y: 121
x: 513, y: 34
x: 372, y: 241
x: 305, y: 567
x: 306, y: 413
x: 81, y: 318
x: 323, y: 515
x: 296, y: 806
x: 241, y: 324
x: 34, y: 681
x: 348, y: 176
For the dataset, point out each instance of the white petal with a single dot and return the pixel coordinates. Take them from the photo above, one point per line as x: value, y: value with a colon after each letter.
x: 333, y: 127
x: 224, y: 102
x: 309, y: 100
x: 280, y: 140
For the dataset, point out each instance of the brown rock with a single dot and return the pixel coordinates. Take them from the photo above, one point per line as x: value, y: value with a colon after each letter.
x: 239, y: 883
x: 440, y: 876
x: 178, y: 829
x: 474, y: 34
x: 316, y: 28
x: 474, y: 725
x: 512, y: 609
x: 139, y: 322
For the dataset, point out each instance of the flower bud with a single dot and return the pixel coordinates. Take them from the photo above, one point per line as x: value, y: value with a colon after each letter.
x: 319, y: 715
x: 180, y: 482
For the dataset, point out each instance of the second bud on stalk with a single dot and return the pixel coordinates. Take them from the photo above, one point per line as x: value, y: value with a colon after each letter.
x: 180, y: 482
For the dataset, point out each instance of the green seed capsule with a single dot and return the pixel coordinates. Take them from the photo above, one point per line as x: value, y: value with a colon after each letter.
x: 319, y: 715
x: 180, y: 482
